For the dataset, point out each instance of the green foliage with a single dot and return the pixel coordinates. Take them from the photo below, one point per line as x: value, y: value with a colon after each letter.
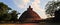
x: 51, y: 7
x: 4, y: 15
x: 14, y: 15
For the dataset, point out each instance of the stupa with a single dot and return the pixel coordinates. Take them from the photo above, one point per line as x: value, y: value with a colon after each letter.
x: 29, y: 16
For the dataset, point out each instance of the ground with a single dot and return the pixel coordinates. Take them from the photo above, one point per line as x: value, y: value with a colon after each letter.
x: 34, y: 24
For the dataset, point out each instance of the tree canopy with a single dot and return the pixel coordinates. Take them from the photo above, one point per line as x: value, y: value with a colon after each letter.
x: 4, y: 15
x: 51, y: 7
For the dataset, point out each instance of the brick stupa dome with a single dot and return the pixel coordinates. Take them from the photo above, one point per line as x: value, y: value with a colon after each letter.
x: 29, y: 16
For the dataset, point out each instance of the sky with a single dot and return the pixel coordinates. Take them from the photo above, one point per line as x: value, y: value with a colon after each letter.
x: 22, y: 5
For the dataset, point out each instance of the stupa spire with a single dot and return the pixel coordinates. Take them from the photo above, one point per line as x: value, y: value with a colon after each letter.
x: 29, y: 6
x: 29, y: 9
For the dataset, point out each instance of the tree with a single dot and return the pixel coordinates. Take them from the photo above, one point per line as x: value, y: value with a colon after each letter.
x: 14, y: 15
x: 4, y: 11
x: 51, y: 7
x: 57, y: 16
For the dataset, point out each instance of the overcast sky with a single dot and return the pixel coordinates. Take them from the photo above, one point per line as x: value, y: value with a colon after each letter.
x: 22, y: 5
